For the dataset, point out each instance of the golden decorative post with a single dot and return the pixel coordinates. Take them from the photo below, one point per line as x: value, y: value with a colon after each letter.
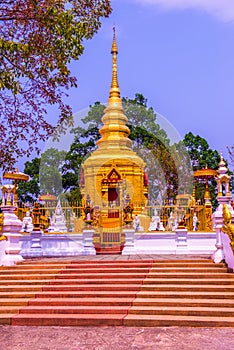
x: 223, y: 180
x: 1, y: 221
x: 206, y: 174
x: 88, y: 211
x: 36, y: 217
x: 15, y: 176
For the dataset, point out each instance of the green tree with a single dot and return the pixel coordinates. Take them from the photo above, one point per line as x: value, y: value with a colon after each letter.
x: 51, y: 165
x: 201, y: 156
x: 200, y: 152
x: 29, y: 191
x: 94, y: 116
x: 38, y: 40
x: 139, y: 114
x: 231, y: 154
x: 45, y: 176
x: 84, y: 143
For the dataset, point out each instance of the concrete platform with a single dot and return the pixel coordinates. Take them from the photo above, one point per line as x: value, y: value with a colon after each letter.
x: 115, y: 338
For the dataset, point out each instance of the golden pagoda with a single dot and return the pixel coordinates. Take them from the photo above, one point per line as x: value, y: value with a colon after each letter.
x: 114, y: 172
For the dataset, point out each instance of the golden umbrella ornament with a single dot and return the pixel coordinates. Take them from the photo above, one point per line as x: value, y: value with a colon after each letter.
x: 47, y: 197
x: 205, y: 174
x: 15, y: 175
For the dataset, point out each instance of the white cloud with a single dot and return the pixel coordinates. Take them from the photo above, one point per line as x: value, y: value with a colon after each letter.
x: 223, y: 9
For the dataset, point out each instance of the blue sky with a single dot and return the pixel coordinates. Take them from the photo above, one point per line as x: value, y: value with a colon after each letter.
x: 178, y: 53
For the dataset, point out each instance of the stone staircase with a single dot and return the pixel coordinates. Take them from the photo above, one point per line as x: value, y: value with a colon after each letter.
x: 117, y: 293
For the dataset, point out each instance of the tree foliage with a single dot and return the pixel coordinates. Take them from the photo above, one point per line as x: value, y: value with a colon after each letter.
x: 51, y: 165
x: 200, y: 152
x: 201, y: 156
x: 139, y: 114
x: 28, y: 192
x: 45, y: 176
x: 231, y: 154
x: 82, y: 146
x: 38, y: 40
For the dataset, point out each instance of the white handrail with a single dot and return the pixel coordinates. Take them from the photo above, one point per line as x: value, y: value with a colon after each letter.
x: 227, y: 250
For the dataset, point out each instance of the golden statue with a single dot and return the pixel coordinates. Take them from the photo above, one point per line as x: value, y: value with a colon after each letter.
x: 36, y: 214
x: 228, y: 225
x: 128, y: 210
x: 8, y: 194
x: 88, y: 210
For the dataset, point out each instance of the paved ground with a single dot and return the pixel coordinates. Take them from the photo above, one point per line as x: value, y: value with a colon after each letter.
x: 117, y: 338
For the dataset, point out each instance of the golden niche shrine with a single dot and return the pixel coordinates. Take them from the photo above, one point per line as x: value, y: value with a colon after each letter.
x: 114, y: 175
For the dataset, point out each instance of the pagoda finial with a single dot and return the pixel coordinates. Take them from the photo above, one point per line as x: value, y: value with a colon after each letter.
x: 114, y: 95
x: 114, y: 131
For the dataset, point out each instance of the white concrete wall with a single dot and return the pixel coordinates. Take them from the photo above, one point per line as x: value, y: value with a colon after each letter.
x: 145, y: 243
x: 165, y: 243
x: 54, y: 245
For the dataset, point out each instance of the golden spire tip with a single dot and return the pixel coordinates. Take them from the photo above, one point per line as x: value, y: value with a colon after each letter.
x: 114, y: 48
x: 114, y: 95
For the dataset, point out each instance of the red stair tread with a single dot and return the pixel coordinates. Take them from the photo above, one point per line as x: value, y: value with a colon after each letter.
x: 183, y: 301
x: 186, y: 294
x: 208, y: 281
x: 99, y: 309
x: 93, y: 287
x: 96, y: 281
x: 182, y: 310
x: 185, y: 287
x: 24, y: 283
x: 29, y: 277
x: 5, y: 319
x: 102, y: 275
x: 168, y: 320
x: 13, y: 301
x: 82, y: 301
x: 73, y: 294
x: 10, y: 309
x: 68, y: 320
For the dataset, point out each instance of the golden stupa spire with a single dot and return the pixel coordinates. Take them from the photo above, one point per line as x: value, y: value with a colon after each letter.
x: 114, y: 132
x: 114, y: 95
